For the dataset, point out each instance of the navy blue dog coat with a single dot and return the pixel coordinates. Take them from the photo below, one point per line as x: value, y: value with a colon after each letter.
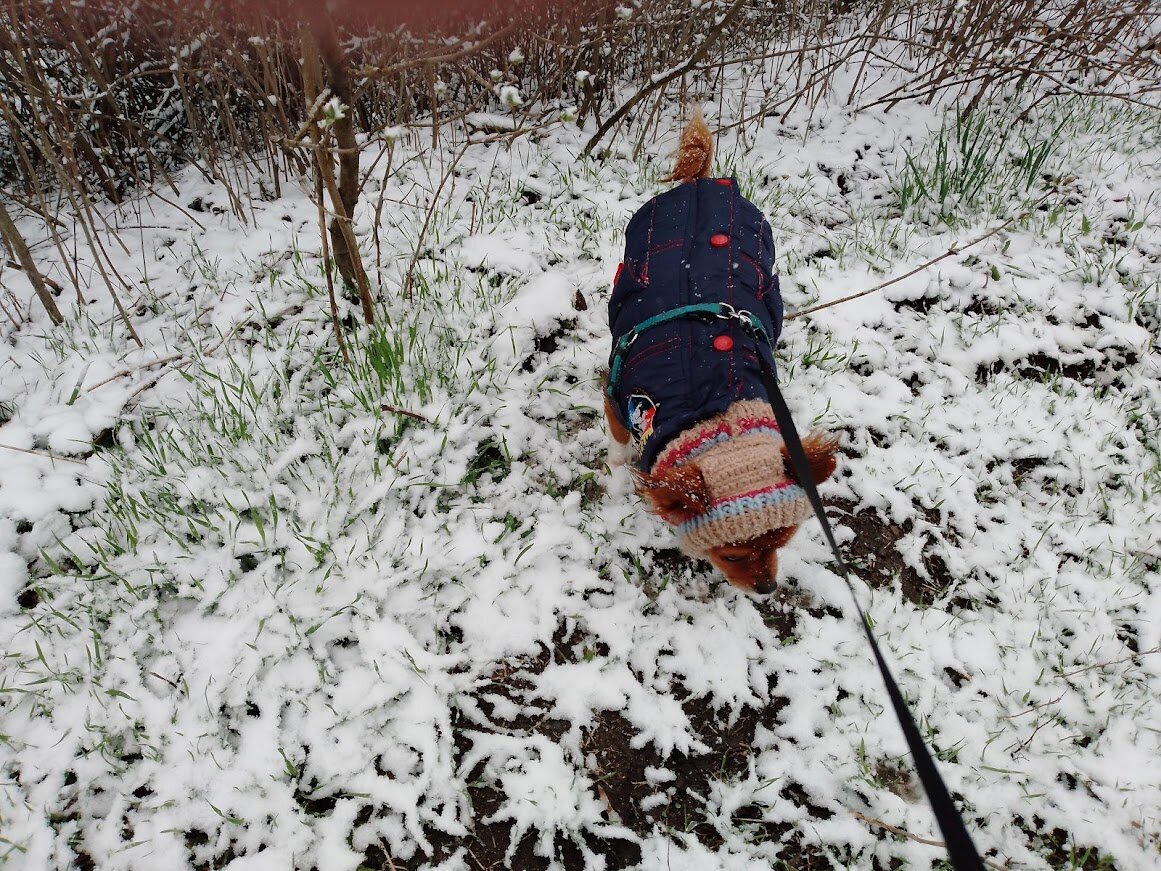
x: 701, y: 242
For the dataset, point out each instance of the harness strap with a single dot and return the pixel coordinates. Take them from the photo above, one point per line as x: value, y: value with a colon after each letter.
x: 960, y: 849
x: 699, y: 311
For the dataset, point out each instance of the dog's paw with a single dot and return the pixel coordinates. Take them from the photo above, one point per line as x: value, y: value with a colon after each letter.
x: 619, y: 454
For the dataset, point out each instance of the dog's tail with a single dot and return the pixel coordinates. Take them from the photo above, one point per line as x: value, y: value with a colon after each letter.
x: 695, y: 151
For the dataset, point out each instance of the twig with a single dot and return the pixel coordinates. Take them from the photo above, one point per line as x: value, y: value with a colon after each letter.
x: 158, y: 362
x: 326, y: 262
x: 409, y: 276
x: 15, y: 243
x: 412, y: 414
x: 897, y: 831
x: 44, y: 454
x: 903, y: 833
x: 1111, y: 662
x: 1032, y: 709
x: 55, y: 285
x: 951, y: 252
x: 184, y: 362
x: 14, y: 315
x: 466, y: 50
x: 711, y: 37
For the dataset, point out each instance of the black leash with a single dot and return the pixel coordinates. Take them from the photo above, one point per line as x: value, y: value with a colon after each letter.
x: 960, y: 848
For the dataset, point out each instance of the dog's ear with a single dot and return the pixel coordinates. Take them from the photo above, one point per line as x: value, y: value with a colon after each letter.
x: 820, y: 449
x: 677, y: 494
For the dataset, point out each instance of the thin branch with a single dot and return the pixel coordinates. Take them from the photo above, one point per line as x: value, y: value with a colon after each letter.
x: 903, y: 833
x: 184, y: 362
x: 16, y: 244
x: 467, y: 50
x: 707, y: 43
x: 1131, y: 658
x: 409, y: 276
x: 415, y: 415
x: 149, y: 365
x: 950, y: 252
x: 326, y: 262
x: 44, y: 454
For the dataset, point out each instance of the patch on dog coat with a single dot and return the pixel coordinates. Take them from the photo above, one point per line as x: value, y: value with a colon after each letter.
x: 642, y: 410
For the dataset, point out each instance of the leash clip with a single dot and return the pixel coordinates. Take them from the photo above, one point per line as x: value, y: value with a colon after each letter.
x: 743, y: 317
x: 726, y: 312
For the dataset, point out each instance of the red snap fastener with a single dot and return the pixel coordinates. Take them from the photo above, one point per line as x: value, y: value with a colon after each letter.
x: 723, y: 343
x: 719, y: 240
x: 724, y: 182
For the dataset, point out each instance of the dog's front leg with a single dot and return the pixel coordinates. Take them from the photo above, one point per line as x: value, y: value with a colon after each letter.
x: 620, y: 441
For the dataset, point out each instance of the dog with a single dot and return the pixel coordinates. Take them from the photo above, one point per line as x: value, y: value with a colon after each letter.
x: 694, y: 302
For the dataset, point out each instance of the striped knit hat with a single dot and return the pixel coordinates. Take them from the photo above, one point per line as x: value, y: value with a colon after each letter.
x: 740, y: 457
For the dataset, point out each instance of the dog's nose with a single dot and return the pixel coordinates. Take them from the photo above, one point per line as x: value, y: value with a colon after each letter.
x: 764, y: 587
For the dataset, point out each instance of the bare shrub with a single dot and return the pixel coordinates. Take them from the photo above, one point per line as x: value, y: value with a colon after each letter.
x: 107, y: 97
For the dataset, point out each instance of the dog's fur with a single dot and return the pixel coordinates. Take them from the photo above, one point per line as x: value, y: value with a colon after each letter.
x: 680, y: 492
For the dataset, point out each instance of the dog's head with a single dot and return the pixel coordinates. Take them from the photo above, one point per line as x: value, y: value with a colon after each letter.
x: 741, y: 535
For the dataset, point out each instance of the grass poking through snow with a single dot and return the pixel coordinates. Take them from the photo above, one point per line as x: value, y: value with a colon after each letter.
x: 400, y: 613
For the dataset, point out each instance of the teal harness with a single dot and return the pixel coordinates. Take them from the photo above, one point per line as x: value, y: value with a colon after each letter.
x: 706, y: 311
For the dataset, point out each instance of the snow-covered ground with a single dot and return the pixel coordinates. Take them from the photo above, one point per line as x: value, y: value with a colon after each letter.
x: 255, y: 617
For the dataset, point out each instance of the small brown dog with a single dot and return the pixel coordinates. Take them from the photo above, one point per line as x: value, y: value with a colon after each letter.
x: 694, y: 304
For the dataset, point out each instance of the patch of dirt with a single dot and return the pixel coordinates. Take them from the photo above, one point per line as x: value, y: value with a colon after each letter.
x: 922, y: 305
x: 1023, y: 467
x: 491, y: 458
x: 897, y: 779
x: 1056, y: 845
x: 548, y: 344
x: 914, y: 382
x: 621, y: 768
x: 1147, y: 315
x: 675, y: 802
x: 1127, y: 635
x: 873, y: 556
x: 780, y: 609
x: 488, y: 843
x: 1036, y: 367
x: 983, y: 308
x: 657, y: 568
x: 672, y: 561
x: 1026, y: 474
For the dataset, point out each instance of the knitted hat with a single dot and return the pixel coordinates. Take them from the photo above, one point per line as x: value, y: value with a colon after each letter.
x: 740, y: 457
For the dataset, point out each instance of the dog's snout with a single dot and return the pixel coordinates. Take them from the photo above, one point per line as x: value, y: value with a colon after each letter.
x: 765, y: 587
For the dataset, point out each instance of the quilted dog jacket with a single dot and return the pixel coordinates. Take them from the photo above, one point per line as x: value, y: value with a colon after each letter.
x: 700, y: 242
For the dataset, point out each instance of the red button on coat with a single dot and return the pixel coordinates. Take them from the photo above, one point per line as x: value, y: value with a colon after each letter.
x: 719, y: 240
x: 723, y: 343
x: 724, y: 182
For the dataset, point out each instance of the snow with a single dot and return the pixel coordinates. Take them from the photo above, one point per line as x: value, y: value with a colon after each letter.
x: 541, y: 303
x: 278, y: 626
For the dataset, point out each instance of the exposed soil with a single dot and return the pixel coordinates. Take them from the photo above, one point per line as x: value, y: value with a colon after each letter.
x: 1037, y: 367
x: 618, y: 771
x: 1058, y: 848
x: 874, y: 556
